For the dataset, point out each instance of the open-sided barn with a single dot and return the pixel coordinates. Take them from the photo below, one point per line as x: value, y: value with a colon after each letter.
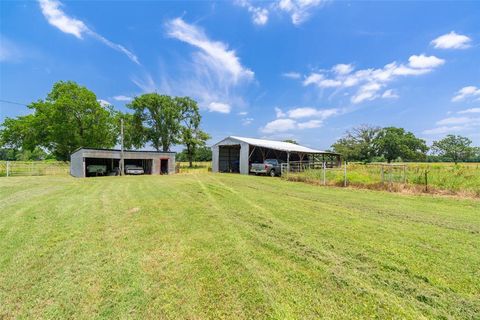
x: 236, y: 154
x: 108, y: 161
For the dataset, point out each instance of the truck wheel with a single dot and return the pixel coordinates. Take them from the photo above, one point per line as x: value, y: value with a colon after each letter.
x: 272, y: 173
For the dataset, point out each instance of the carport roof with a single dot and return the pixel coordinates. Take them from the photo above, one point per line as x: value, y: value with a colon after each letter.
x: 276, y: 145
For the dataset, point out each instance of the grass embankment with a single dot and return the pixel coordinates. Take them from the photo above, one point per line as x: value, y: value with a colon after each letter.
x: 231, y: 246
x: 463, y: 179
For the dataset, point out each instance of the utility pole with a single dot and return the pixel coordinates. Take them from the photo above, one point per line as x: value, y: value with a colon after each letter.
x: 121, y: 164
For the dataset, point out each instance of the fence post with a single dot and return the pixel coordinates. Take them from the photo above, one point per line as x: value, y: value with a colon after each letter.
x: 345, y: 174
x: 426, y: 180
x: 8, y: 168
x: 383, y: 176
x: 324, y: 175
x: 404, y: 173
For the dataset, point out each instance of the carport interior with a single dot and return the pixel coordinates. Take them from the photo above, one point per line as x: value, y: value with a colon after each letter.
x: 113, y: 164
x: 229, y: 158
x: 260, y: 154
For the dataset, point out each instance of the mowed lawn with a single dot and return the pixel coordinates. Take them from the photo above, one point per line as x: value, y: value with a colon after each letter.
x: 230, y: 246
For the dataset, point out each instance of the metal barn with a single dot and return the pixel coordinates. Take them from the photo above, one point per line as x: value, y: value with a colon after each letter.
x: 235, y: 154
x: 152, y: 162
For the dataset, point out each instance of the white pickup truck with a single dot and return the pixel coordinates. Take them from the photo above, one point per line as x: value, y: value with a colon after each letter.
x: 271, y: 167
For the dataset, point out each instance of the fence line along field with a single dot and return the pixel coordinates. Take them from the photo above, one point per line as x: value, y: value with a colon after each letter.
x: 34, y: 168
x: 232, y: 246
x: 461, y: 178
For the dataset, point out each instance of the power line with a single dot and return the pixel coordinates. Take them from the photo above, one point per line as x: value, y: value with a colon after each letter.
x: 13, y: 102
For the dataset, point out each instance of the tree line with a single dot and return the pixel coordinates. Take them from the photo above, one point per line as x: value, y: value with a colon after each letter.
x: 374, y: 144
x: 71, y: 117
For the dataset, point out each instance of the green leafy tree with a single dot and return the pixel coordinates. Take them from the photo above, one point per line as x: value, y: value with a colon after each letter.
x: 454, y: 148
x: 191, y: 136
x: 393, y: 143
x: 156, y: 119
x: 202, y: 154
x: 70, y: 117
x: 357, y: 144
x: 291, y: 141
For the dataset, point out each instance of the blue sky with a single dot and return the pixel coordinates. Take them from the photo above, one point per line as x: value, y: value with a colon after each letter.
x: 306, y: 70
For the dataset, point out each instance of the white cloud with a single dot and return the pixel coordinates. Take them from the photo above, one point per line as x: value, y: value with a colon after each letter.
x: 247, y: 121
x: 259, y: 14
x: 452, y: 40
x: 292, y: 75
x: 122, y: 98
x: 455, y: 124
x: 219, y: 107
x: 307, y: 112
x: 52, y: 11
x: 9, y: 51
x: 279, y: 125
x: 57, y: 18
x: 243, y: 113
x: 104, y: 103
x: 288, y: 121
x: 279, y: 113
x: 310, y: 124
x: 390, y: 94
x: 471, y: 110
x: 466, y: 92
x: 369, y: 82
x: 424, y: 62
x: 455, y: 120
x: 342, y: 68
x: 299, y: 10
x: 214, y: 54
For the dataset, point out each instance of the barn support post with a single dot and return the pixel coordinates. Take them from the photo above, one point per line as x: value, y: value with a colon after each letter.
x: 288, y: 161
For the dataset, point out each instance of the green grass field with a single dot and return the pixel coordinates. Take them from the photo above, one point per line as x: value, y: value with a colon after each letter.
x: 202, y: 246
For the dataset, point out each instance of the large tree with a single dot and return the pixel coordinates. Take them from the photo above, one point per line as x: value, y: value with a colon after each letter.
x: 454, y: 147
x: 357, y: 144
x: 70, y: 117
x: 393, y: 143
x: 191, y: 136
x: 156, y: 120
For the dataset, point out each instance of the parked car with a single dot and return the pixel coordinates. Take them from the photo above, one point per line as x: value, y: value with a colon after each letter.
x: 271, y: 167
x: 96, y: 170
x: 133, y: 169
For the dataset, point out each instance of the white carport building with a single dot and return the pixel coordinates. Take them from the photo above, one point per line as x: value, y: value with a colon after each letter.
x: 235, y: 154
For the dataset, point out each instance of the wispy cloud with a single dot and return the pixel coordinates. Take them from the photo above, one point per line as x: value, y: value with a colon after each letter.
x: 452, y: 40
x: 214, y: 76
x: 466, y: 92
x: 9, y: 51
x: 214, y: 54
x: 298, y: 10
x: 292, y: 75
x: 454, y: 125
x: 471, y: 110
x: 369, y: 83
x: 122, y: 98
x: 54, y: 14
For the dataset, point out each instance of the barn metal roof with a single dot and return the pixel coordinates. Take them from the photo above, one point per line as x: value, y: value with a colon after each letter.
x: 276, y: 145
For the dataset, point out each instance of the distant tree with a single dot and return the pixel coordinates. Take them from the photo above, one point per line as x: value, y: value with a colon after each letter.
x: 202, y: 154
x: 156, y: 118
x: 358, y: 144
x: 291, y: 141
x: 454, y: 147
x: 70, y: 117
x: 191, y: 136
x: 393, y: 143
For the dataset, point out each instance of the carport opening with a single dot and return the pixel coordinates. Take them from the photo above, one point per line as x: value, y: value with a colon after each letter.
x: 163, y: 166
x: 95, y: 167
x: 229, y: 158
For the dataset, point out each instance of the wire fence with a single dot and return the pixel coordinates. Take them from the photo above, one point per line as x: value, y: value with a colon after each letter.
x: 34, y: 168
